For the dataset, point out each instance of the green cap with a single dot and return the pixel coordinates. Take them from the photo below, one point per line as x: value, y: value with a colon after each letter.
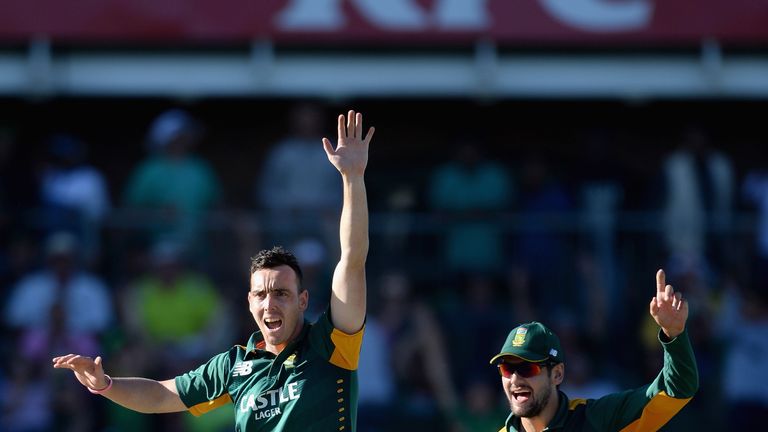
x: 532, y: 342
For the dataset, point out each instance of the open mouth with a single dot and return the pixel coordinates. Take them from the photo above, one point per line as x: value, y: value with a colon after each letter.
x: 521, y: 396
x: 273, y: 323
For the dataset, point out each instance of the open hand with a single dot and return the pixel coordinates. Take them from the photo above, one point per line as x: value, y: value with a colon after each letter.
x: 668, y: 308
x: 350, y: 156
x: 87, y: 370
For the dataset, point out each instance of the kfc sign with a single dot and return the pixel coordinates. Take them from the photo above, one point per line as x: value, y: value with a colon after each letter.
x: 409, y: 15
x: 394, y: 22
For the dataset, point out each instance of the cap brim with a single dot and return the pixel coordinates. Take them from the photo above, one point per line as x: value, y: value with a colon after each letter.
x: 522, y: 356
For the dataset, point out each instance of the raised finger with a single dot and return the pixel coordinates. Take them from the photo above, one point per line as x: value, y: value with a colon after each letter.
x: 341, y: 128
x: 351, y: 124
x: 661, y: 281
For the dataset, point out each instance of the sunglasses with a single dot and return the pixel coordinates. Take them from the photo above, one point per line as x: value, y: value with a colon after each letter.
x: 524, y: 369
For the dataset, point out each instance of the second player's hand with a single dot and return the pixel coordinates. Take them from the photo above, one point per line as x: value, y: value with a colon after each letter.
x: 88, y: 371
x: 350, y: 156
x: 668, y: 308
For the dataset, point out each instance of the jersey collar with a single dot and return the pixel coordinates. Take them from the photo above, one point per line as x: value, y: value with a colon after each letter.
x: 256, y: 345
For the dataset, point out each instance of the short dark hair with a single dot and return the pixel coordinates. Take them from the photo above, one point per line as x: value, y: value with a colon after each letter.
x: 276, y: 257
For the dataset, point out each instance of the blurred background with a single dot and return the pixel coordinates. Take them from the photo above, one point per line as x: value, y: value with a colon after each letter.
x: 537, y: 159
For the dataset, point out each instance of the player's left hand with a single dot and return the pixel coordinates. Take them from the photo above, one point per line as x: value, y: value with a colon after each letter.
x: 350, y: 156
x: 668, y: 308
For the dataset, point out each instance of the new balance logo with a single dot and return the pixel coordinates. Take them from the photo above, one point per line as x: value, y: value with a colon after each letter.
x: 242, y: 368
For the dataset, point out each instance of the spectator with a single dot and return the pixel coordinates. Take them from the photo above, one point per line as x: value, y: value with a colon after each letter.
x: 471, y: 191
x: 172, y: 181
x: 480, y: 410
x: 755, y: 190
x: 297, y: 187
x: 74, y: 194
x: 482, y: 312
x: 418, y: 354
x: 60, y: 307
x: 540, y: 246
x: 376, y: 395
x: 698, y: 193
x: 601, y: 193
x: 25, y: 399
x: 18, y: 193
x: 176, y: 312
x: 743, y: 330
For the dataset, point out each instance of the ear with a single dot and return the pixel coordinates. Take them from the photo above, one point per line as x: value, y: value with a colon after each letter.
x: 558, y: 373
x: 303, y: 300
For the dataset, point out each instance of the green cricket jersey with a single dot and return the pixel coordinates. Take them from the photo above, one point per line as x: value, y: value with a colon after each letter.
x: 647, y: 408
x: 310, y: 386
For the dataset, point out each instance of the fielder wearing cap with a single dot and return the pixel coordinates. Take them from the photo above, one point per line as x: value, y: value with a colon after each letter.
x: 532, y: 366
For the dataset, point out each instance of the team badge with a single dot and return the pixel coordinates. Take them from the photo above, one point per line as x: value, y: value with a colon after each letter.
x: 290, y: 362
x: 519, y: 337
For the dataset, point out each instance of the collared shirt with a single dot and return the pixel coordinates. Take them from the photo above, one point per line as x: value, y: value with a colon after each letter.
x: 646, y: 408
x: 310, y: 386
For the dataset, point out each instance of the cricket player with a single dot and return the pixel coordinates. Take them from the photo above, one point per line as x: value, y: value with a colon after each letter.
x: 292, y: 375
x: 532, y: 366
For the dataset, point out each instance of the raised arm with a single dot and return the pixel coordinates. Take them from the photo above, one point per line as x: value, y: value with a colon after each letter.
x: 350, y: 157
x: 139, y: 394
x: 650, y: 407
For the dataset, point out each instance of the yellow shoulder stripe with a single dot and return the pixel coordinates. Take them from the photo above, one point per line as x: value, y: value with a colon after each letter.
x: 346, y: 353
x: 573, y: 403
x: 208, y: 406
x: 659, y: 410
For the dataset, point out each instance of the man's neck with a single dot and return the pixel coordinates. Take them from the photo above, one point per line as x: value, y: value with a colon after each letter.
x: 541, y: 421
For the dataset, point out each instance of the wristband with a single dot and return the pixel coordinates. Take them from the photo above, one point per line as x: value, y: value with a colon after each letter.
x: 100, y: 391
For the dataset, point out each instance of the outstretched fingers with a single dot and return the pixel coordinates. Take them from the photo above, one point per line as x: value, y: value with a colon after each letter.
x: 358, y: 125
x: 351, y: 124
x: 328, y: 147
x: 369, y: 135
x: 64, y: 361
x: 341, y: 127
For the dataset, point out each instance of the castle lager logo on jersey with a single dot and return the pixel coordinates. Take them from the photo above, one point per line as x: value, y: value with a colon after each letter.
x: 267, y: 404
x: 242, y: 368
x: 519, y: 336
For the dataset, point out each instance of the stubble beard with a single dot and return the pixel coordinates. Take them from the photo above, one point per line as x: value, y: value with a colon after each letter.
x: 535, y: 408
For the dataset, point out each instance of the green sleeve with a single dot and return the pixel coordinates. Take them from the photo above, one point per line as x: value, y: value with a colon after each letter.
x: 651, y: 406
x: 205, y: 388
x: 680, y: 377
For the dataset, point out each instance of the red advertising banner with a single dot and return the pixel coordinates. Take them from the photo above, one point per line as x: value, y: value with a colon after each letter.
x: 387, y: 21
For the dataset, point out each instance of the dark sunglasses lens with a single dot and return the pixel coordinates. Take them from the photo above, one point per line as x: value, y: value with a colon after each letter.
x: 525, y: 370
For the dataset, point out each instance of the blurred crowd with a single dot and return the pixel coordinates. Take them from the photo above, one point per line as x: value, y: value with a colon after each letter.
x: 151, y: 273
